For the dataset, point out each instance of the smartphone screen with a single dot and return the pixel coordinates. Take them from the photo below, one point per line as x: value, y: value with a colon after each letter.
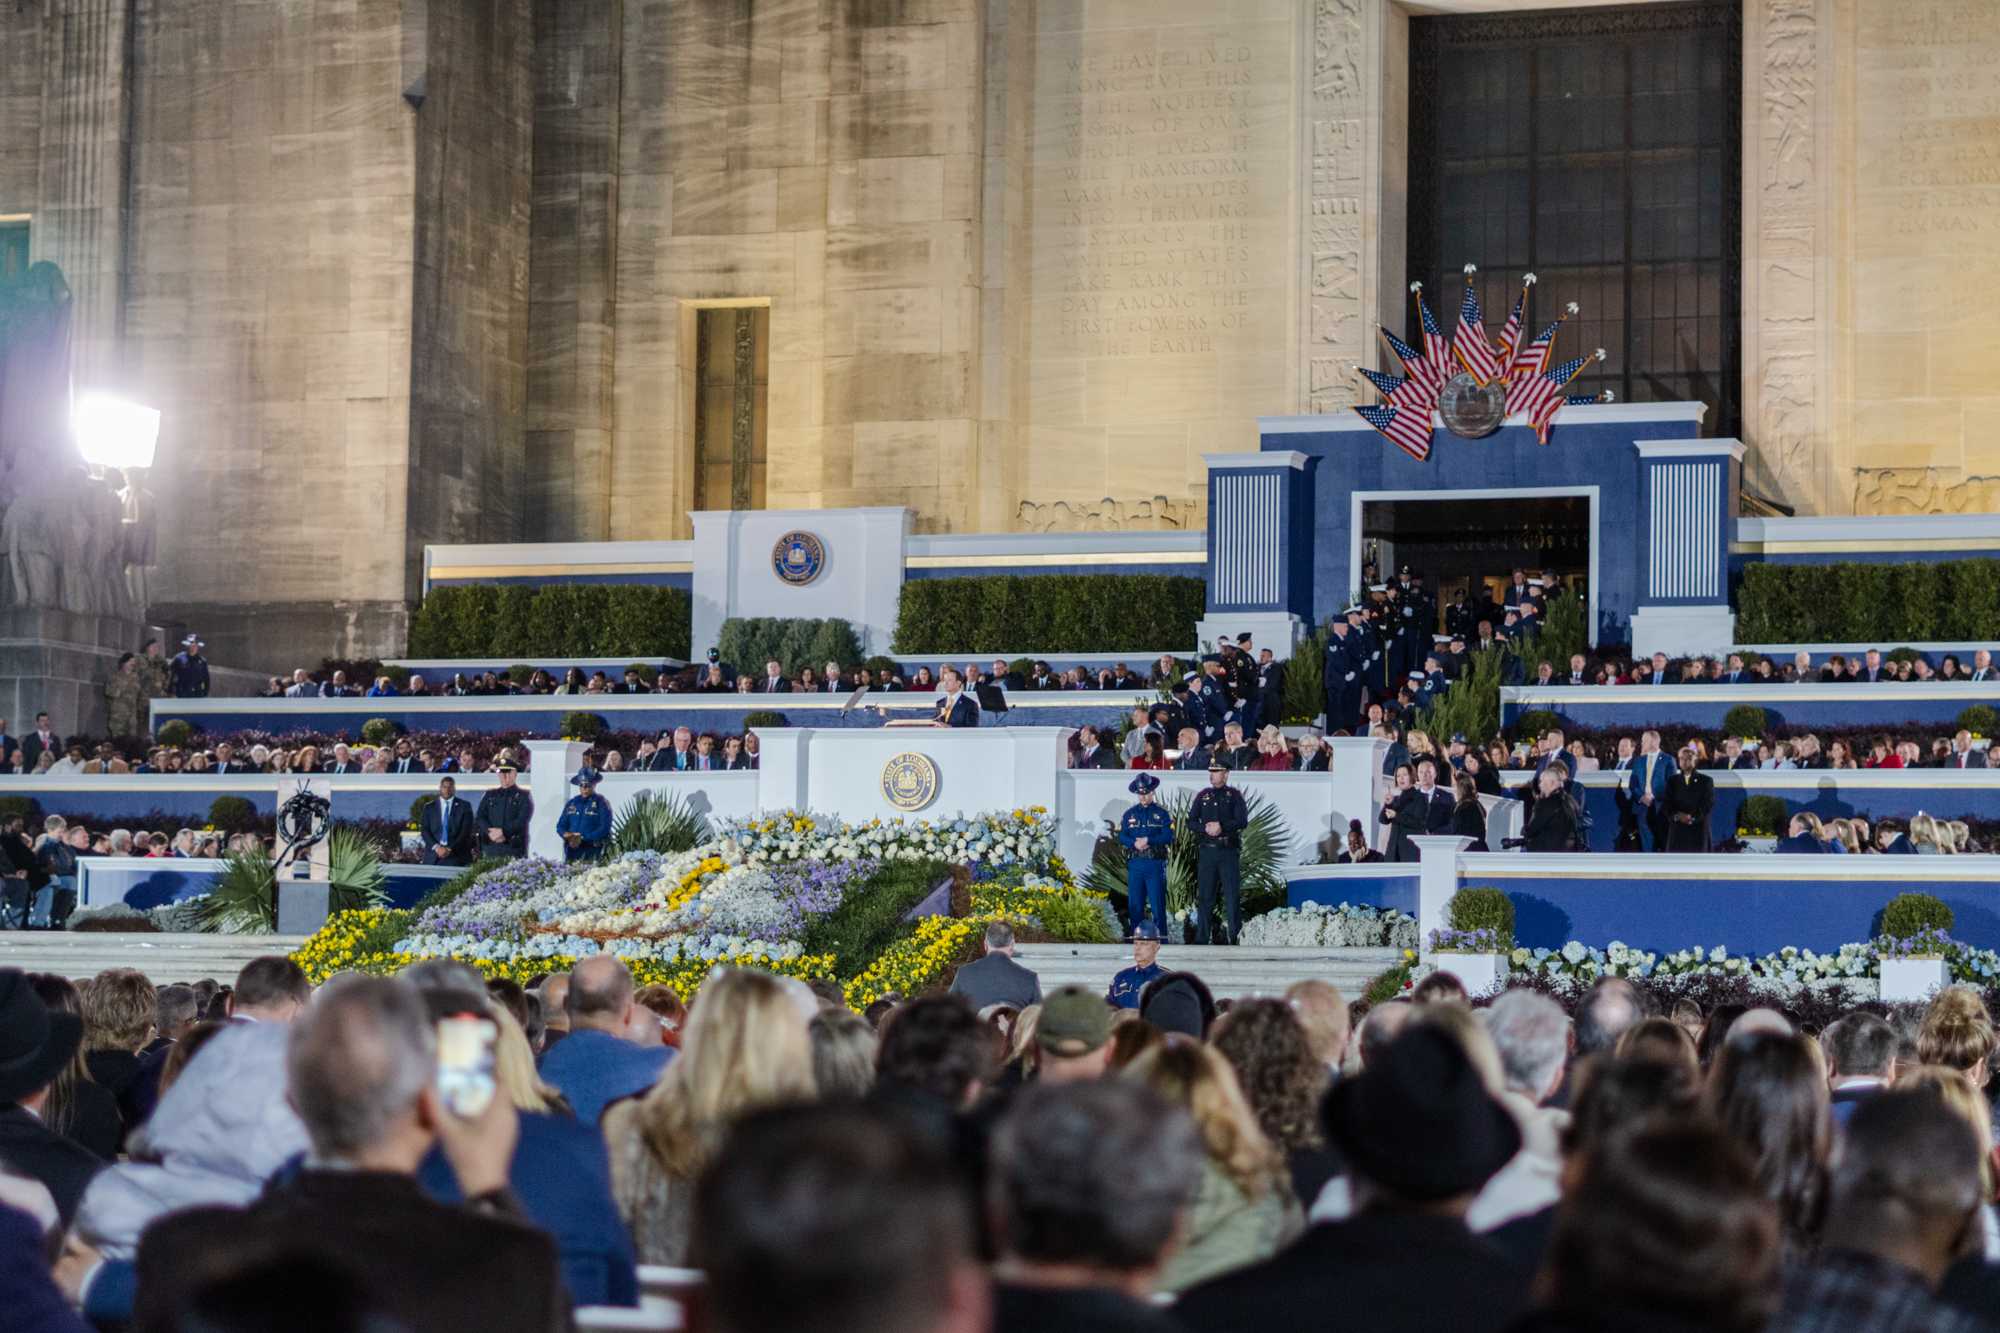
x: 465, y: 1063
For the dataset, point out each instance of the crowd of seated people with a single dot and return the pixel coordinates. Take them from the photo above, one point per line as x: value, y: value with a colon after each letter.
x: 227, y: 1157
x: 1870, y: 667
x: 718, y: 677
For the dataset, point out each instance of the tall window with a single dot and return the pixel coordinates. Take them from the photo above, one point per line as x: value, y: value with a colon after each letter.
x: 732, y: 385
x: 1600, y: 150
x: 13, y: 247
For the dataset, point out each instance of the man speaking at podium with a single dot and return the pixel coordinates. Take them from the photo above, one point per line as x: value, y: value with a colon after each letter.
x: 956, y: 708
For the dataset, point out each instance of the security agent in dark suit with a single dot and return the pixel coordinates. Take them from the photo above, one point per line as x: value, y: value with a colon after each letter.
x: 363, y: 1073
x: 447, y: 827
x: 1690, y: 797
x: 1417, y: 811
x: 504, y: 813
x: 37, y: 1044
x: 996, y: 978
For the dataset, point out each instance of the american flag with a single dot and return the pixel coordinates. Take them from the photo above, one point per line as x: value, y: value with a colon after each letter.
x: 1405, y: 428
x: 1437, y: 351
x: 1399, y: 390
x: 1510, y: 333
x: 1545, y: 395
x: 1468, y: 341
x: 1533, y: 357
x: 1422, y: 373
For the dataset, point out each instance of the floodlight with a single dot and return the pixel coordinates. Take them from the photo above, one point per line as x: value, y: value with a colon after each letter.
x: 112, y: 433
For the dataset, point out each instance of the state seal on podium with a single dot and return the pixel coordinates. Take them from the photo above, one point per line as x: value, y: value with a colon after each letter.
x: 798, y: 558
x: 910, y: 781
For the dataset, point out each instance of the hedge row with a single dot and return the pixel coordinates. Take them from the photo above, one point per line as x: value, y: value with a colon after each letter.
x: 748, y: 642
x: 1050, y: 613
x: 1945, y: 602
x: 557, y: 620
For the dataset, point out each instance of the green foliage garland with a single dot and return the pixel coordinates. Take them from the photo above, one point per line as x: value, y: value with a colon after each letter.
x: 1948, y: 601
x: 556, y: 620
x: 748, y: 642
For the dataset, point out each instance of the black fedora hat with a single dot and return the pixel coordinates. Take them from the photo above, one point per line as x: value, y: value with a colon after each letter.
x: 35, y: 1044
x: 1419, y: 1122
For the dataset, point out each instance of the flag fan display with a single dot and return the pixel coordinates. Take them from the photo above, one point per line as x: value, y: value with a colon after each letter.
x: 1533, y: 388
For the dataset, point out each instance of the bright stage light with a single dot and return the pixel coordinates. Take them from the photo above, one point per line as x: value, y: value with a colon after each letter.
x: 112, y: 433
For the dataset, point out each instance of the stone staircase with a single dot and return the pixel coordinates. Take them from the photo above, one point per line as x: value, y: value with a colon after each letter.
x: 163, y: 958
x: 1229, y: 972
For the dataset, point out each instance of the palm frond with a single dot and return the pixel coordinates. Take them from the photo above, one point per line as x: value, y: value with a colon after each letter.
x: 656, y: 822
x: 244, y: 900
x: 354, y: 869
x: 1260, y: 861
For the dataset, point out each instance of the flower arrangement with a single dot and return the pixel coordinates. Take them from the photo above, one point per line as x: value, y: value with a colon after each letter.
x: 1481, y: 939
x: 1785, y: 970
x: 1315, y: 925
x: 1018, y: 837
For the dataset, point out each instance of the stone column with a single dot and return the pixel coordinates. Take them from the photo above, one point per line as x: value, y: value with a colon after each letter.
x: 1357, y: 781
x: 1437, y: 880
x: 86, y: 173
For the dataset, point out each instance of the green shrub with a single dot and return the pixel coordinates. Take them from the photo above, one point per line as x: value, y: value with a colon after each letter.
x: 556, y: 620
x: 582, y: 726
x: 1979, y: 719
x: 1076, y: 918
x: 1565, y: 629
x: 1305, y: 679
x: 1949, y: 601
x: 1746, y: 722
x: 1909, y: 914
x: 871, y: 916
x: 399, y: 676
x: 1024, y: 667
x: 1904, y: 654
x: 1388, y: 985
x: 1050, y: 613
x: 1260, y: 861
x: 232, y: 814
x: 1533, y: 723
x: 764, y: 717
x: 1763, y: 816
x: 24, y: 806
x: 418, y: 806
x: 879, y: 665
x: 1482, y: 909
x: 1471, y: 704
x: 656, y: 822
x: 176, y: 733
x: 747, y: 642
x: 378, y: 731
x: 521, y: 673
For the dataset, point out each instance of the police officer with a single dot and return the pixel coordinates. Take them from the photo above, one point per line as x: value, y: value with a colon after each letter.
x: 1147, y: 830
x: 504, y: 812
x: 1244, y: 684
x: 187, y: 674
x: 1218, y: 818
x: 1215, y: 709
x: 1126, y: 986
x: 586, y: 819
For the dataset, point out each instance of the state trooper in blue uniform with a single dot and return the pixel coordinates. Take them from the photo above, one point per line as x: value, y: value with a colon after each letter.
x: 1126, y: 986
x: 1147, y: 830
x: 586, y: 819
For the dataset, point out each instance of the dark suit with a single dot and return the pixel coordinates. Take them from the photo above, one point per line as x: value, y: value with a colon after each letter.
x: 778, y: 686
x: 1411, y: 815
x: 30, y: 1148
x: 33, y: 747
x: 508, y: 809
x: 412, y: 764
x: 451, y: 827
x: 1969, y: 759
x: 1551, y: 825
x: 671, y: 760
x: 962, y: 711
x: 1101, y: 757
x: 1651, y: 820
x: 1468, y: 820
x: 997, y: 979
x: 1691, y: 794
x: 432, y: 1267
x: 1387, y: 1272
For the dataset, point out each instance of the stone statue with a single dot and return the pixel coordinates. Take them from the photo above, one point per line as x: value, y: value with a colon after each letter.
x: 36, y: 531
x: 142, y: 538
x: 35, y: 310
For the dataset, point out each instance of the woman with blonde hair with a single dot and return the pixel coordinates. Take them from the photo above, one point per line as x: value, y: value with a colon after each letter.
x: 1243, y: 1211
x: 1961, y: 1095
x: 1926, y: 836
x: 1957, y: 1033
x: 1842, y: 832
x: 514, y: 1069
x: 745, y: 1048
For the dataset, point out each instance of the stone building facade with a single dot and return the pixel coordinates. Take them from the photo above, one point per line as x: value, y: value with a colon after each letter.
x: 411, y: 271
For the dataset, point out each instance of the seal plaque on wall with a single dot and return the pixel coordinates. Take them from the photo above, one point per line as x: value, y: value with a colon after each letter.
x: 798, y: 558
x: 910, y: 781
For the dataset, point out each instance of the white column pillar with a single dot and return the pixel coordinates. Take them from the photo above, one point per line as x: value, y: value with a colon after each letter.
x: 1436, y: 882
x: 781, y: 768
x: 550, y: 764
x: 1357, y: 784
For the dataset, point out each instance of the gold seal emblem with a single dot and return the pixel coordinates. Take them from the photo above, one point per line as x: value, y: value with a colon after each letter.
x: 798, y: 557
x: 910, y: 781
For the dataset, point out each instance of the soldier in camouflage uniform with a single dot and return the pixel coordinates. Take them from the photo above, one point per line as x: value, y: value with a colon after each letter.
x: 125, y: 698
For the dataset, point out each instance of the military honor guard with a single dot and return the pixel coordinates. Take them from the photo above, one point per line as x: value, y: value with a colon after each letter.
x: 586, y: 819
x: 1146, y: 830
x: 1218, y: 817
x: 1128, y: 984
x: 504, y: 812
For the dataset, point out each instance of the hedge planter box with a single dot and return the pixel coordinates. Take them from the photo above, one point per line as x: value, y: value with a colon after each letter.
x: 1481, y: 972
x: 1913, y: 978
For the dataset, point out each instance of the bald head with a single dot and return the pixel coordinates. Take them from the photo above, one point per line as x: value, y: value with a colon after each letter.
x: 1610, y: 1008
x: 1322, y: 1012
x: 554, y: 991
x: 600, y: 994
x: 1385, y: 1022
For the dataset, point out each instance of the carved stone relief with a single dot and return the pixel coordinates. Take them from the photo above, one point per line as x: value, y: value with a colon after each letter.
x: 1337, y: 334
x: 1109, y: 515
